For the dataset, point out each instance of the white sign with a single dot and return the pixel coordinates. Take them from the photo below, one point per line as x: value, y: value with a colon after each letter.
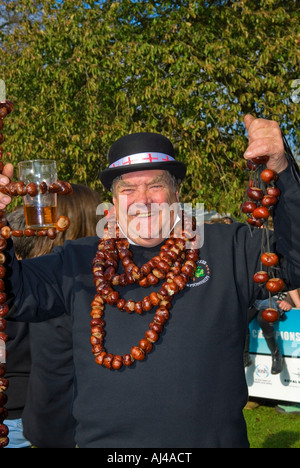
x: 284, y: 386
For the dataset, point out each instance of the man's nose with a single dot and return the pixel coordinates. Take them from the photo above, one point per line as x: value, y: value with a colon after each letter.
x: 143, y: 196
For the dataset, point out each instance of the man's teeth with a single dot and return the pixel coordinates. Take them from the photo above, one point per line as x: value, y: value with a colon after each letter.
x: 145, y: 215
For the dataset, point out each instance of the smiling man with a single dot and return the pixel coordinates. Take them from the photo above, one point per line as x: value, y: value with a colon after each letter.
x: 143, y: 203
x: 144, y: 185
x: 158, y: 347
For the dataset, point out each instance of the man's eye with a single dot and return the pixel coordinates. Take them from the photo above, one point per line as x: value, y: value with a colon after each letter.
x: 126, y: 191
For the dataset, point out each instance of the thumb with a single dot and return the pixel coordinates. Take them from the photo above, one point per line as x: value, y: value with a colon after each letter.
x: 8, y: 170
x: 248, y: 119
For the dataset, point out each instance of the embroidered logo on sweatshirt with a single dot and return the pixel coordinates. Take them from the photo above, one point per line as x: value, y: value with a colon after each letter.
x: 202, y: 274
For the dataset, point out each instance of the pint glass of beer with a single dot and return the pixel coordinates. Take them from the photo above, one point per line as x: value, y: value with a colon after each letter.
x: 40, y: 210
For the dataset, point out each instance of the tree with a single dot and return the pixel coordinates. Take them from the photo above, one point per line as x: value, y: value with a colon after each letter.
x: 84, y: 73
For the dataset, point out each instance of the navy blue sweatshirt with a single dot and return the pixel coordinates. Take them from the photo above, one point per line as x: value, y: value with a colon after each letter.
x: 190, y: 390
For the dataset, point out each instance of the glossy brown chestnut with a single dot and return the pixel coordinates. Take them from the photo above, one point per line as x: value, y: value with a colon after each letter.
x: 275, y: 285
x: 138, y: 308
x: 107, y: 360
x: 255, y: 193
x: 62, y: 223
x: 54, y: 187
x: 32, y: 189
x: 180, y: 281
x: 129, y: 306
x: 4, y: 441
x: 3, y: 244
x: 4, y: 384
x: 137, y: 353
x: 274, y: 191
x: 269, y: 200
x: 117, y: 362
x: 2, y: 324
x: 3, y: 370
x: 2, y: 271
x: 154, y: 298
x: 146, y: 304
x: 269, y: 259
x: 3, y: 310
x: 3, y: 430
x: 12, y: 188
x: 155, y: 326
x: 6, y: 232
x: 260, y: 277
x: 127, y: 360
x: 65, y: 188
x: 43, y: 188
x: 8, y: 105
x: 29, y: 232
x: 248, y: 206
x: 99, y: 358
x: 21, y: 188
x: 255, y: 222
x: 3, y: 297
x: 270, y: 315
x: 51, y: 233
x: 152, y: 336
x: 121, y: 303
x: 145, y: 345
x: 261, y: 212
x: 267, y: 176
x: 251, y: 165
x: 17, y: 233
x: 260, y: 159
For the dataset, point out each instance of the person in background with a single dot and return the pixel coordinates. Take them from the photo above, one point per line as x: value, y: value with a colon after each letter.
x: 283, y: 303
x: 292, y: 300
x: 47, y: 416
x: 18, y: 349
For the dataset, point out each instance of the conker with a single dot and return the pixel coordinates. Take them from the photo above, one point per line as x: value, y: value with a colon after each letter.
x: 275, y: 285
x: 127, y: 360
x: 255, y: 193
x: 261, y: 212
x: 117, y: 362
x: 270, y: 315
x: 32, y: 189
x: 260, y: 159
x: 269, y: 259
x: 260, y: 277
x: 255, y: 222
x: 145, y: 345
x: 248, y: 207
x: 152, y: 336
x: 269, y: 200
x: 274, y: 191
x: 268, y: 176
x: 137, y: 353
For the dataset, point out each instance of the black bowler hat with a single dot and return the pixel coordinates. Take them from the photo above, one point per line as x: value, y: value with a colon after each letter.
x: 141, y: 152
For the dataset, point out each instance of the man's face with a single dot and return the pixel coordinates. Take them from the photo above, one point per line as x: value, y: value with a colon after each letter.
x: 142, y: 201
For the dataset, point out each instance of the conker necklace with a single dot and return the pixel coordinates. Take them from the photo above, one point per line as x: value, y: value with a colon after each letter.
x: 174, y: 264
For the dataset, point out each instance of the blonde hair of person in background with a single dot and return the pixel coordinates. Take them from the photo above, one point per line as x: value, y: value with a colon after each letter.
x: 80, y: 208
